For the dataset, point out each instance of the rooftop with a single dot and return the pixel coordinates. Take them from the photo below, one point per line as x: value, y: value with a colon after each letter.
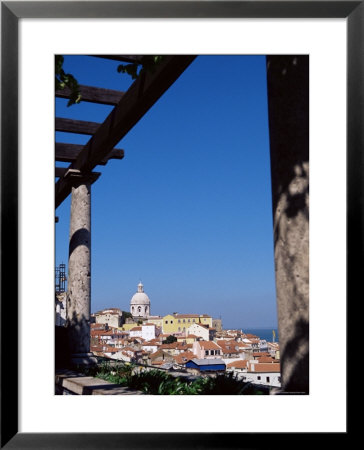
x: 207, y: 362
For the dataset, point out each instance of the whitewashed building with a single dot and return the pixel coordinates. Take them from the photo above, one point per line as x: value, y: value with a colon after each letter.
x: 206, y: 333
x: 111, y: 316
x: 267, y: 374
x: 135, y: 332
x: 149, y: 331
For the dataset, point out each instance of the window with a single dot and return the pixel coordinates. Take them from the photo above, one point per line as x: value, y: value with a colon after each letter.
x: 184, y: 320
x: 179, y: 320
x: 171, y: 321
x: 268, y: 379
x: 193, y: 320
x: 179, y: 328
x: 166, y: 321
x: 189, y: 320
x: 258, y: 377
x: 206, y: 352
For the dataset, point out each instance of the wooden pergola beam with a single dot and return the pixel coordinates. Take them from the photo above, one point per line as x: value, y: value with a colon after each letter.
x: 70, y: 153
x: 76, y: 126
x: 60, y: 171
x: 138, y: 99
x: 121, y: 58
x: 94, y: 95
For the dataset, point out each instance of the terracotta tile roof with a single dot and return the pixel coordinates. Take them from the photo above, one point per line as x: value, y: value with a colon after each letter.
x: 240, y: 364
x: 129, y: 349
x: 225, y: 342
x: 242, y: 345
x: 153, y: 342
x: 136, y: 329
x: 209, y: 345
x: 157, y: 353
x: 265, y: 367
x: 260, y: 354
x: 181, y: 346
x: 249, y: 336
x: 179, y: 316
x: 265, y: 359
x: 228, y: 346
x: 182, y: 358
x: 173, y: 345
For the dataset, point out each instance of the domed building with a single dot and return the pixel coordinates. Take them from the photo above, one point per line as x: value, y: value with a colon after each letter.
x: 140, y: 304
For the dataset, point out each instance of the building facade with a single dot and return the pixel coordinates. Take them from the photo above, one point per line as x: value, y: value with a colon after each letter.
x: 111, y: 316
x: 179, y: 323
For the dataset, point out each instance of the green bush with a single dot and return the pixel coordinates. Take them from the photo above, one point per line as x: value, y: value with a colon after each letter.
x: 157, y: 382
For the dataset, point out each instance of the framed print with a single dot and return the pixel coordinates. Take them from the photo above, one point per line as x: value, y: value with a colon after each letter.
x: 31, y: 34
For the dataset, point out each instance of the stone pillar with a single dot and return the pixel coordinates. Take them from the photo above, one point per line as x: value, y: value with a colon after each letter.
x: 288, y: 103
x: 79, y: 273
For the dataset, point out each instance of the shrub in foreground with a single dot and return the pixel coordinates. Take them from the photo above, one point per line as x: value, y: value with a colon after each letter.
x: 157, y: 382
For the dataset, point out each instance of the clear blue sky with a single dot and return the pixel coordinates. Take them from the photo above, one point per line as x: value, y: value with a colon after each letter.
x: 188, y: 210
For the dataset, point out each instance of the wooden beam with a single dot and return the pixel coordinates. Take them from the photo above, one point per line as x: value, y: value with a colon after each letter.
x: 94, y: 95
x: 138, y: 99
x: 60, y: 171
x: 70, y: 153
x: 121, y: 58
x: 76, y: 126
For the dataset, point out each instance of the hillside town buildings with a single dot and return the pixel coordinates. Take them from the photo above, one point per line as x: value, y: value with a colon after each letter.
x: 191, y: 343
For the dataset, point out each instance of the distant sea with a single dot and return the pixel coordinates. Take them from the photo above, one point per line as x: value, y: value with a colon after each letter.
x: 263, y: 333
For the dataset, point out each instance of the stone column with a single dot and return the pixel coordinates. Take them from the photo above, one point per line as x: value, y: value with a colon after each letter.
x: 79, y: 273
x: 288, y: 101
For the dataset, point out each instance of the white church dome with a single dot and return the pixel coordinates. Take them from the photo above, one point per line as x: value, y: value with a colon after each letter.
x: 140, y: 297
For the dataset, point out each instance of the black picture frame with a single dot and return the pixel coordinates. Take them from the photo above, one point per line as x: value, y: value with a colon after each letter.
x: 11, y: 12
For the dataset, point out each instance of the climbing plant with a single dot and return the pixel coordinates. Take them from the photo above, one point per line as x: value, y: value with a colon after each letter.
x: 134, y: 69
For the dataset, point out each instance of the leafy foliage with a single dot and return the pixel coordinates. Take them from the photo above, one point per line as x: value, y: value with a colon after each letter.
x: 146, y: 63
x: 169, y: 340
x: 157, y: 382
x: 127, y: 315
x: 64, y: 80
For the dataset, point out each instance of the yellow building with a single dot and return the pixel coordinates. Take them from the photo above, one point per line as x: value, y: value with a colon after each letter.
x: 128, y: 326
x: 178, y: 323
x: 190, y: 339
x: 157, y: 320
